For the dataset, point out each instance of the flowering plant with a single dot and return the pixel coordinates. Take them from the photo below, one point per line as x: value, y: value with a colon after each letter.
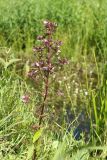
x: 48, y: 61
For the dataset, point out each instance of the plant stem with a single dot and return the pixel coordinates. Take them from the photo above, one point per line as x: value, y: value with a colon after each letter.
x: 45, y: 97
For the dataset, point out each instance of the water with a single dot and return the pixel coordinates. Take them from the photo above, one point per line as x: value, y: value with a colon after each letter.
x: 79, y: 125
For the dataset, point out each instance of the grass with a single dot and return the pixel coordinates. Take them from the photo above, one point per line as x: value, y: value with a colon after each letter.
x: 82, y: 25
x: 82, y: 29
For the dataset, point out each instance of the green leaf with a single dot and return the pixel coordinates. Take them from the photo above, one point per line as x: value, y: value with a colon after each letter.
x: 6, y: 63
x: 26, y: 68
x: 60, y: 152
x: 97, y: 148
x: 30, y: 152
x: 12, y: 61
x: 37, y: 135
x: 55, y: 144
x: 2, y: 61
x: 82, y: 154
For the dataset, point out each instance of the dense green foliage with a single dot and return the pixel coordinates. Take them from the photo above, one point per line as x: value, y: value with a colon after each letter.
x: 82, y: 24
x: 80, y: 88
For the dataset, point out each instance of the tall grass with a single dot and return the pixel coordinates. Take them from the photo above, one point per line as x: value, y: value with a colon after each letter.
x: 82, y: 24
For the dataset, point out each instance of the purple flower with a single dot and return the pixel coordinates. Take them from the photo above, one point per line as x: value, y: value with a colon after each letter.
x: 38, y: 49
x: 48, y: 33
x: 46, y: 68
x: 45, y: 22
x: 40, y: 38
x: 32, y: 73
x: 46, y: 42
x: 25, y: 98
x: 38, y: 64
x: 63, y: 61
x: 50, y: 26
x: 58, y: 43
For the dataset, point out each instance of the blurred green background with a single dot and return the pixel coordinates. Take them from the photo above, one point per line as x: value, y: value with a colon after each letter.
x: 82, y: 24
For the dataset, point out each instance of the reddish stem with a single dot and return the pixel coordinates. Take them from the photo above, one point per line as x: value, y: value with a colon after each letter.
x: 46, y: 85
x: 45, y: 97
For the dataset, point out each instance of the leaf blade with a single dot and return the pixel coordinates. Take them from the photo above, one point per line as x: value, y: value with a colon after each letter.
x: 37, y: 135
